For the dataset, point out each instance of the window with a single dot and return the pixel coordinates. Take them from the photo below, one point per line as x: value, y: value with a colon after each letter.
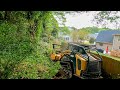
x: 68, y: 38
x: 79, y: 64
x: 75, y: 49
x: 101, y: 44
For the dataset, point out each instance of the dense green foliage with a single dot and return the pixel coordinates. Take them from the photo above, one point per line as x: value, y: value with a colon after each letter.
x: 92, y: 40
x: 25, y: 44
x: 64, y: 30
x: 80, y: 35
x: 93, y: 30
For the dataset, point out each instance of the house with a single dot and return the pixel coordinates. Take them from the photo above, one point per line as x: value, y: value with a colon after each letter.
x: 116, y: 42
x: 67, y: 38
x: 63, y: 36
x: 108, y: 39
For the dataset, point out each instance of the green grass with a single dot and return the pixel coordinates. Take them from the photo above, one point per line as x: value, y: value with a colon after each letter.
x: 106, y: 55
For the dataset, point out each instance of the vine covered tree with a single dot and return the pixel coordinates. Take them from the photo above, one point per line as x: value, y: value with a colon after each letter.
x: 25, y: 44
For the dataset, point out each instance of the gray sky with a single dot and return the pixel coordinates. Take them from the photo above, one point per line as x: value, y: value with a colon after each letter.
x: 83, y: 20
x: 79, y: 20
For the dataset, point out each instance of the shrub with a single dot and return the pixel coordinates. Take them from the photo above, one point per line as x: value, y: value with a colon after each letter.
x: 35, y: 67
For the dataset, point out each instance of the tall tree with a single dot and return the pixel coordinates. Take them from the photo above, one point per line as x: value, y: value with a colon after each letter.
x: 106, y: 17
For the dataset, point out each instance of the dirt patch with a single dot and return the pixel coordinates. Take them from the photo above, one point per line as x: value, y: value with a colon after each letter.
x: 60, y: 75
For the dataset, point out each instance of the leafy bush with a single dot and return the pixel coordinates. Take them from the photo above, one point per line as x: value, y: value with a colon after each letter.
x: 92, y: 40
x: 35, y: 67
x: 14, y: 47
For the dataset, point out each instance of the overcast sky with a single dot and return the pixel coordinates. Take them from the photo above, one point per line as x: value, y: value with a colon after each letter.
x: 82, y: 20
x: 79, y: 20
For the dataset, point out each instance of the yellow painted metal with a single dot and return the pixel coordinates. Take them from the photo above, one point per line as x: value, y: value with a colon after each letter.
x: 57, y: 57
x: 111, y: 66
x: 52, y: 56
x: 83, y: 64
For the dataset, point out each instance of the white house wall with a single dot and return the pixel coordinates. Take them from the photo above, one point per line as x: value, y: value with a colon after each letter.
x: 116, y: 42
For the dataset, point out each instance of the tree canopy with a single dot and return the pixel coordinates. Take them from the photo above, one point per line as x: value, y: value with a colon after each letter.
x: 105, y: 17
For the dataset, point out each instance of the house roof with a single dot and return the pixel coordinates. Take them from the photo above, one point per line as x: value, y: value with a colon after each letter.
x: 116, y: 34
x: 106, y: 36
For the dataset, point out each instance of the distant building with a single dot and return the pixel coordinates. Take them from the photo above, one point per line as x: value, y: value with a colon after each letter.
x: 108, y: 39
x: 116, y: 42
x: 67, y: 38
x: 64, y: 37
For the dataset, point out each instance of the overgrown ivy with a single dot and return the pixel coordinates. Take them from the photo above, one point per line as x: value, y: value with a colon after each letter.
x: 25, y: 38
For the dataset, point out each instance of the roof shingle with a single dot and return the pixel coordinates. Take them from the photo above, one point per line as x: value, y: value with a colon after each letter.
x: 106, y: 36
